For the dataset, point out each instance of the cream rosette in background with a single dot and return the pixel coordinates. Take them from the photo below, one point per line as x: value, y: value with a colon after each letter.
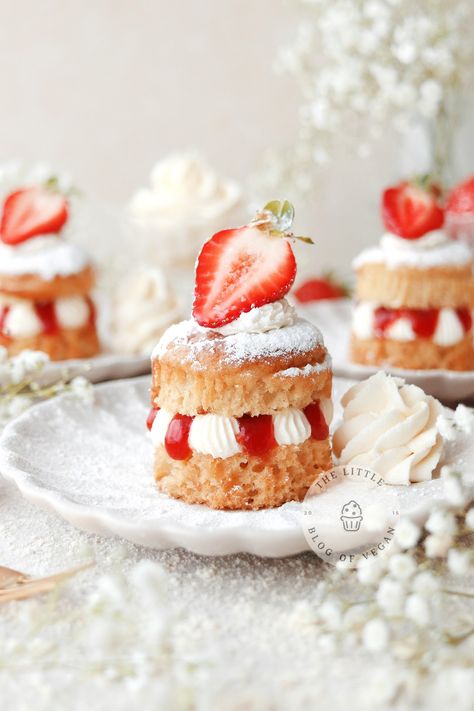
x: 390, y: 427
x: 143, y: 306
x: 184, y: 204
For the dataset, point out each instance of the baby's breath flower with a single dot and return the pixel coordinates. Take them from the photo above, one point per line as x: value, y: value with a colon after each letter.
x: 376, y: 635
x: 438, y: 545
x: 464, y: 418
x: 81, y: 387
x: 446, y: 427
x: 370, y: 570
x: 390, y: 596
x: 441, y: 522
x: 331, y: 613
x: 470, y: 519
x: 453, y: 486
x: 401, y: 566
x: 407, y: 534
x: 425, y: 583
x: 32, y: 360
x: 459, y: 561
x: 417, y: 610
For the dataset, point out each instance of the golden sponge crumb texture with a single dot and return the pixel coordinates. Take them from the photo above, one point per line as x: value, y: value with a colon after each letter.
x: 419, y: 354
x: 243, y: 481
x: 63, y: 345
x: 201, y: 373
x: 31, y: 286
x: 440, y: 287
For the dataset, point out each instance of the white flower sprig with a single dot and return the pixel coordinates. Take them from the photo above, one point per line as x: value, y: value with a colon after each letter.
x: 363, y: 65
x: 20, y: 386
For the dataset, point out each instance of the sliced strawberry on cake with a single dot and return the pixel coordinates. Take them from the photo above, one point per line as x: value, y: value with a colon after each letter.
x: 412, y: 208
x: 246, y: 267
x: 30, y: 212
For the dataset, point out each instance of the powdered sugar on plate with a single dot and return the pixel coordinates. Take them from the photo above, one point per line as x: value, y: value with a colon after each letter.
x: 298, y: 338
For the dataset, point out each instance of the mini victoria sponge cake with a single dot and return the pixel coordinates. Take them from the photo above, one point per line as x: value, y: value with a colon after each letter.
x: 414, y: 294
x: 45, y: 281
x: 241, y: 393
x: 240, y: 420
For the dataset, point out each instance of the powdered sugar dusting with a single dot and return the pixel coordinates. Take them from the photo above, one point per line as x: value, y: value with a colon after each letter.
x: 308, y: 369
x: 297, y: 338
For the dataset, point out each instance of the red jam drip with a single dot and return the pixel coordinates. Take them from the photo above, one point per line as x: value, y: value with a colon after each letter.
x: 3, y: 316
x: 47, y: 315
x: 256, y: 434
x: 92, y: 312
x: 177, y: 437
x: 383, y: 319
x: 465, y: 317
x: 423, y: 321
x: 317, y: 422
x: 151, y: 417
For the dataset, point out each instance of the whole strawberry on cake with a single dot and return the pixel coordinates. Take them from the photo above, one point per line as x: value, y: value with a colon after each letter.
x: 415, y: 290
x: 241, y: 393
x: 45, y: 281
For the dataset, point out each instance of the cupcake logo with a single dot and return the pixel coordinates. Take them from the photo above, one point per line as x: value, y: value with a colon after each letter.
x: 351, y: 516
x: 349, y: 513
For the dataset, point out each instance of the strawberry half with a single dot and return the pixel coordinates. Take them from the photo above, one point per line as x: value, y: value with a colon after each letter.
x: 30, y: 212
x: 320, y: 289
x: 461, y: 198
x: 238, y: 270
x: 410, y: 210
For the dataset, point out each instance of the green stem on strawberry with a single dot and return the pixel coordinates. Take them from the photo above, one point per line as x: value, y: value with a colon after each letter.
x: 276, y: 218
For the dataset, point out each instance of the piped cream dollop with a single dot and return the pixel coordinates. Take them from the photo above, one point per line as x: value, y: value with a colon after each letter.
x: 183, y: 189
x: 144, y: 306
x: 390, y: 427
x: 435, y: 249
x: 277, y: 314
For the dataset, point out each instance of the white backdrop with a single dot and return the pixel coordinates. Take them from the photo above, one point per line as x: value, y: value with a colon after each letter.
x: 106, y: 87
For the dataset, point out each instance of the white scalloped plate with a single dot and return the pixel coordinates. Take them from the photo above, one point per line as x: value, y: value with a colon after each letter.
x: 93, y: 466
x: 334, y: 320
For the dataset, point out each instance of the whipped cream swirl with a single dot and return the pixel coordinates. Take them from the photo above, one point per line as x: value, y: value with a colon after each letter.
x: 184, y: 190
x: 277, y: 314
x: 435, y: 249
x: 143, y: 308
x: 46, y: 256
x: 390, y: 427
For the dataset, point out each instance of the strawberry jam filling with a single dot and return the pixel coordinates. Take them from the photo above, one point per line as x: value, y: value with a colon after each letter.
x: 317, y: 422
x: 151, y: 418
x: 47, y: 315
x: 255, y: 435
x: 423, y: 321
x: 177, y: 437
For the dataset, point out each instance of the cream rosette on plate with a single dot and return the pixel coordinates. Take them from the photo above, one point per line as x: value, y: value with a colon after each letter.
x: 143, y: 307
x: 185, y: 201
x: 390, y: 427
